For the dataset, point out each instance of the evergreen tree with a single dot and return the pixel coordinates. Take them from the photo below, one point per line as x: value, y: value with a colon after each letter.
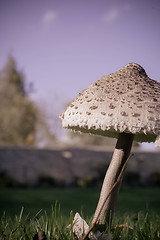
x: 18, y: 114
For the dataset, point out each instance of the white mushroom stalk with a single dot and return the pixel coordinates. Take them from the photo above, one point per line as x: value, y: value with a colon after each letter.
x: 120, y: 155
x: 123, y: 105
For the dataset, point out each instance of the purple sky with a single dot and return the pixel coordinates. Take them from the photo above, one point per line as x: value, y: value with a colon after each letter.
x: 63, y: 46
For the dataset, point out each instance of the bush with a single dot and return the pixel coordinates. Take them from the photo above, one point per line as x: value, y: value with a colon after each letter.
x: 131, y: 179
x: 48, y: 181
x: 6, y: 181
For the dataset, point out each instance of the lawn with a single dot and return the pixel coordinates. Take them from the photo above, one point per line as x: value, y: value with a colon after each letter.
x: 137, y: 213
x: 130, y: 200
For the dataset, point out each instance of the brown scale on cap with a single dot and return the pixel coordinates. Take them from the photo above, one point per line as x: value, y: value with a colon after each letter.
x: 124, y: 101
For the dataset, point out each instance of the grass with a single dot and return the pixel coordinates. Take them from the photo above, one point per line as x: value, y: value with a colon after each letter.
x: 130, y: 200
x: 24, y: 227
x: 127, y: 227
x: 12, y: 200
x: 137, y: 214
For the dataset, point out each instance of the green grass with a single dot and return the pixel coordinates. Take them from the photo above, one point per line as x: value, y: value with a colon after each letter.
x: 130, y: 200
x: 24, y: 227
x: 137, y: 207
x: 56, y: 227
x: 137, y: 199
x: 12, y: 200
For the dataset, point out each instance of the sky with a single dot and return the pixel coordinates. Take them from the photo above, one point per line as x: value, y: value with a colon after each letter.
x: 62, y: 46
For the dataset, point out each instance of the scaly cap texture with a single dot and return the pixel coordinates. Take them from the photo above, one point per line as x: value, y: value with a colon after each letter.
x: 124, y: 101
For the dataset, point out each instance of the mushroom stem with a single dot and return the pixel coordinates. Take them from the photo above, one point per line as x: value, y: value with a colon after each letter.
x: 121, y: 153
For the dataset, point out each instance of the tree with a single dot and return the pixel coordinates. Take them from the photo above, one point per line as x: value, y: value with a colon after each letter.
x: 18, y: 114
x: 45, y: 134
x: 83, y: 139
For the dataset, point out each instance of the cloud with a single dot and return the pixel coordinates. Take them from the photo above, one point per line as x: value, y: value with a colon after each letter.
x: 49, y: 16
x: 115, y: 13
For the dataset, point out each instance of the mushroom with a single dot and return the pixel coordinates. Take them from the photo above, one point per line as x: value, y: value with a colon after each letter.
x: 124, y: 105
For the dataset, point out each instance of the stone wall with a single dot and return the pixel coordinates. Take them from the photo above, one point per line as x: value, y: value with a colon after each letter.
x: 72, y: 167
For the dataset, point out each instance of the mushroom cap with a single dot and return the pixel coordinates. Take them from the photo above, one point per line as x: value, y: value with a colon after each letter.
x: 125, y: 101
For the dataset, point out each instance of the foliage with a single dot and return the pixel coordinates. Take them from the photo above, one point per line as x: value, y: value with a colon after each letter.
x: 18, y: 112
